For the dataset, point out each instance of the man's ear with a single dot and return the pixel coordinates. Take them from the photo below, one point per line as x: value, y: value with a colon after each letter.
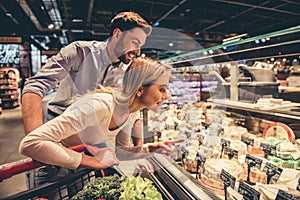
x: 117, y: 32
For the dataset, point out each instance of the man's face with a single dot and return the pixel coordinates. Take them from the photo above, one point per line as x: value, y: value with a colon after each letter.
x: 129, y: 44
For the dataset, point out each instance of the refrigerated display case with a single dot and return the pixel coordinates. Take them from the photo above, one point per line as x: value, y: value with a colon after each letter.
x: 247, y: 121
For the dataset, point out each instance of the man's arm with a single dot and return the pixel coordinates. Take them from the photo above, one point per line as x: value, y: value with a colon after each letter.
x: 137, y: 133
x: 32, y: 111
x: 37, y: 86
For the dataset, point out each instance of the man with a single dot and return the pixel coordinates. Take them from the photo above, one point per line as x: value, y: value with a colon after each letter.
x: 80, y: 67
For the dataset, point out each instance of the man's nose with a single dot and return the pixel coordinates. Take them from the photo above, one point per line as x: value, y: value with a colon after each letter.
x: 137, y: 52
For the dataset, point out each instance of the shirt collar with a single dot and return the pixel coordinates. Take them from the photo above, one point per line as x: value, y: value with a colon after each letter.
x: 102, y: 47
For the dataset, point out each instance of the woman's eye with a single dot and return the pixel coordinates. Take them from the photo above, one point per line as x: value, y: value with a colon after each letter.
x: 163, y: 90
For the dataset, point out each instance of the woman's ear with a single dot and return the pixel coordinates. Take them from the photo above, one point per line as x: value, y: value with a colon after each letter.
x: 140, y: 92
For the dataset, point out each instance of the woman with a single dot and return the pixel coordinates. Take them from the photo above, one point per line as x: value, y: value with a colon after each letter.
x: 102, y: 117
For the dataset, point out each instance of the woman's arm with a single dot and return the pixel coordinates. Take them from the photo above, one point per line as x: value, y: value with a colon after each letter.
x: 125, y: 151
x: 103, y: 158
x: 44, y: 143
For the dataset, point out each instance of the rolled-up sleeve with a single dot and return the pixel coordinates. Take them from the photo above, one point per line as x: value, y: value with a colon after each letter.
x: 56, y: 69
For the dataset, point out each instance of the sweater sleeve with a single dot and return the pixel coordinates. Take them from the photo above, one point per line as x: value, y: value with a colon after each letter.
x: 43, y: 144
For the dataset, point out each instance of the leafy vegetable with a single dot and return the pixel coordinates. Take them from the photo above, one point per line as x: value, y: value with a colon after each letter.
x: 106, y: 187
x: 116, y: 187
x: 139, y: 188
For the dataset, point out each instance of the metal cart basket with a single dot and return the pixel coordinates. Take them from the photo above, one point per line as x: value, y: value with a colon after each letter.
x: 63, y: 188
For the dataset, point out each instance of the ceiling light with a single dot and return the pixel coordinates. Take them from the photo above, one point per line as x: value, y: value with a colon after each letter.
x: 187, y: 10
x: 76, y: 31
x: 257, y: 41
x: 77, y: 20
x: 171, y: 44
x: 156, y: 24
x: 234, y: 38
x: 295, y: 60
x: 197, y: 33
x: 51, y: 26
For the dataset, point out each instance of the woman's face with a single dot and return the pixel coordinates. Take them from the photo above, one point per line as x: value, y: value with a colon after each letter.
x: 153, y: 96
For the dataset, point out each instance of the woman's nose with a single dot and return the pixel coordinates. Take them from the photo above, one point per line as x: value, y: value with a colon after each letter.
x: 166, y: 96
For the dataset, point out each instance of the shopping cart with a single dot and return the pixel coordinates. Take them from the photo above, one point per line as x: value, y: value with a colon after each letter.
x: 63, y: 188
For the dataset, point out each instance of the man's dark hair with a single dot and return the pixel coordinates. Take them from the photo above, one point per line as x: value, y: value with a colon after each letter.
x: 129, y: 20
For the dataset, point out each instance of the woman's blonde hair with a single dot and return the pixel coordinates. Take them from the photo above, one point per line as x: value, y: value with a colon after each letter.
x: 142, y: 71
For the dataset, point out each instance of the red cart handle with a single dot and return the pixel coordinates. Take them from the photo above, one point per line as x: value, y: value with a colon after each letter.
x: 14, y: 168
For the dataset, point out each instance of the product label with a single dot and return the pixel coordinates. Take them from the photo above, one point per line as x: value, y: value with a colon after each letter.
x: 282, y: 195
x: 229, y: 180
x: 201, y: 160
x: 273, y: 171
x: 253, y: 161
x: 201, y: 138
x: 268, y: 149
x: 225, y: 143
x: 248, y: 141
x: 248, y: 192
x: 231, y: 153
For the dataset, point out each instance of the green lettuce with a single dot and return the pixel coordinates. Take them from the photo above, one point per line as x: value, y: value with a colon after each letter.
x: 116, y: 187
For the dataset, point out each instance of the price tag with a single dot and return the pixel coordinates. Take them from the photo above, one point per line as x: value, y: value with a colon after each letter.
x: 248, y: 192
x: 270, y: 168
x: 249, y: 159
x: 248, y: 141
x: 201, y: 160
x: 269, y: 149
x: 231, y: 153
x: 229, y: 180
x: 282, y: 195
x: 225, y: 143
x: 201, y: 138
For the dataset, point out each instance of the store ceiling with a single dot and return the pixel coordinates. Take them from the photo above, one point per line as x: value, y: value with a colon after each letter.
x: 207, y: 22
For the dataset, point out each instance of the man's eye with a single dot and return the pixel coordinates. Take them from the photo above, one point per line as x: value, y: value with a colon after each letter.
x: 136, y: 44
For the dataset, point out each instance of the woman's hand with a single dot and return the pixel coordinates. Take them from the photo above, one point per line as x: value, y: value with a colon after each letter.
x: 102, y: 158
x: 144, y: 165
x: 163, y: 147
